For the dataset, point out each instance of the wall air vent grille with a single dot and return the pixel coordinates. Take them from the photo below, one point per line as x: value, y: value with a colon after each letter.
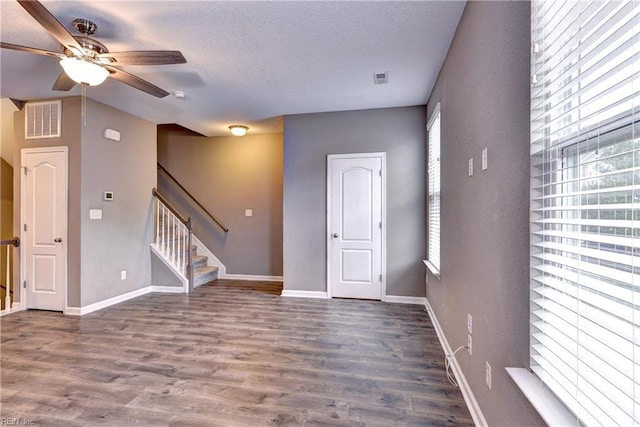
x: 381, y: 78
x: 42, y: 119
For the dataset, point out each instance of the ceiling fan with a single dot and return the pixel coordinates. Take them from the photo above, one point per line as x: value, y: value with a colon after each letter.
x: 87, y: 61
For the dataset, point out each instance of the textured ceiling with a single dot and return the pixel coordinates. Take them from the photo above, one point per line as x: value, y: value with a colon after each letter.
x: 247, y: 62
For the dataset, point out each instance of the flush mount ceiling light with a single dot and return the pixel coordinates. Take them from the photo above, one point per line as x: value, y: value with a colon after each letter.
x: 238, y: 130
x: 84, y: 72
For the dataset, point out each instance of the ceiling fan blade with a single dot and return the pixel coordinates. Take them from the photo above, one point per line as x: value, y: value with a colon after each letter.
x: 30, y: 50
x: 146, y: 57
x: 63, y: 82
x: 136, y: 82
x: 50, y: 23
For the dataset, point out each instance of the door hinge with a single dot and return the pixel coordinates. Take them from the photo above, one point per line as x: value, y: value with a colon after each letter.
x: 25, y: 169
x: 24, y: 284
x: 25, y: 227
x: 380, y: 172
x: 381, y: 277
x: 381, y: 225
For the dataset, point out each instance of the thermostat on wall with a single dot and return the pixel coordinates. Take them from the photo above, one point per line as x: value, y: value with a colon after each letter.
x: 108, y: 195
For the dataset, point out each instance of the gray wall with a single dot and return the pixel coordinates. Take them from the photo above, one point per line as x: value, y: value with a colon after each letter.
x: 161, y: 275
x: 228, y: 175
x: 483, y: 89
x: 120, y: 241
x: 98, y: 250
x: 7, y: 108
x: 308, y: 139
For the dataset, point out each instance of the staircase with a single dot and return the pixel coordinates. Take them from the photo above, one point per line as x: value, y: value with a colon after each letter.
x: 202, y: 273
x: 173, y: 235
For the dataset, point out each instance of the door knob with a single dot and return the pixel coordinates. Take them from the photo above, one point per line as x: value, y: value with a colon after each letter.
x: 58, y: 239
x: 335, y: 235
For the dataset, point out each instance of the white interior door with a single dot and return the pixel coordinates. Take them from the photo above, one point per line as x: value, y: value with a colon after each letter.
x: 355, y: 200
x: 44, y: 233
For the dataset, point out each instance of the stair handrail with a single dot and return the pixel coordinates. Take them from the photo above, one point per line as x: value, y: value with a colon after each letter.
x: 216, y: 220
x: 173, y: 210
x: 177, y: 257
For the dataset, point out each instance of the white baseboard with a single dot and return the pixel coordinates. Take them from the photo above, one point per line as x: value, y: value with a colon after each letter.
x: 304, y: 294
x: 73, y: 311
x: 469, y: 398
x: 256, y: 278
x: 12, y: 309
x: 79, y: 311
x: 167, y: 289
x: 399, y: 299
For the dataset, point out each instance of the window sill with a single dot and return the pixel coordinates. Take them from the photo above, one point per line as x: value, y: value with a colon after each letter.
x: 550, y: 408
x: 432, y: 268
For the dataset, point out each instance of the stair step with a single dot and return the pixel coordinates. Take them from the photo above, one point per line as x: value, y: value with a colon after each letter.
x: 202, y: 275
x: 199, y: 261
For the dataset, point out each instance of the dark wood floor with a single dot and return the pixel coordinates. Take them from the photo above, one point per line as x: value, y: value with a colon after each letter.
x: 230, y: 354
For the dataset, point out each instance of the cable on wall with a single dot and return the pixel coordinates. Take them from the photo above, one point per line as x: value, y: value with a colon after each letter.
x: 447, y: 364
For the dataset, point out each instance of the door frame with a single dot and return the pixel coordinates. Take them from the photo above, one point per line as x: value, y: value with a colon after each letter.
x: 383, y: 216
x: 23, y: 216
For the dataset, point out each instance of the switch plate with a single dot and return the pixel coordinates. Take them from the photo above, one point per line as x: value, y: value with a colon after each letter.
x: 248, y: 212
x: 95, y: 213
x: 123, y: 275
x: 484, y: 159
x: 471, y: 166
x: 487, y: 377
x: 469, y: 324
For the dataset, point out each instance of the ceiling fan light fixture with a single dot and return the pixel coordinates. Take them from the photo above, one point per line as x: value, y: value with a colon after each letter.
x: 238, y: 130
x: 84, y: 72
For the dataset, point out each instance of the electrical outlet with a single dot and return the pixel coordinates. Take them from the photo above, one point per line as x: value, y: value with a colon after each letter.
x: 487, y: 377
x: 471, y: 166
x: 123, y: 275
x: 469, y: 344
x: 469, y: 324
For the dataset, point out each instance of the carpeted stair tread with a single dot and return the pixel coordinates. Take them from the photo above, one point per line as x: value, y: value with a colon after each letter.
x: 203, y: 275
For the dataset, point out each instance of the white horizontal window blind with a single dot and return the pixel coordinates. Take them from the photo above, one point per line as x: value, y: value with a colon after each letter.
x: 433, y: 196
x: 585, y: 206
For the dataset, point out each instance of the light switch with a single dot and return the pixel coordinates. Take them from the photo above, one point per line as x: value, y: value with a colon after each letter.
x: 248, y: 212
x: 95, y: 213
x: 484, y: 159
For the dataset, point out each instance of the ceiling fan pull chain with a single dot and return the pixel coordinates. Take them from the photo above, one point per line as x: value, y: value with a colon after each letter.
x: 83, y: 106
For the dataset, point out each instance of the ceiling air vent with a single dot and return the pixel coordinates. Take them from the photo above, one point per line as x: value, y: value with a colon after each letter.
x: 43, y: 119
x: 381, y: 78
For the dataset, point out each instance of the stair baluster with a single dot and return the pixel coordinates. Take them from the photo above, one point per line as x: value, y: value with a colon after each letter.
x: 172, y: 232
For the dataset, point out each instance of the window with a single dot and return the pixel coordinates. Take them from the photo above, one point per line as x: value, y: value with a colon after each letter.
x: 585, y: 207
x: 433, y: 196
